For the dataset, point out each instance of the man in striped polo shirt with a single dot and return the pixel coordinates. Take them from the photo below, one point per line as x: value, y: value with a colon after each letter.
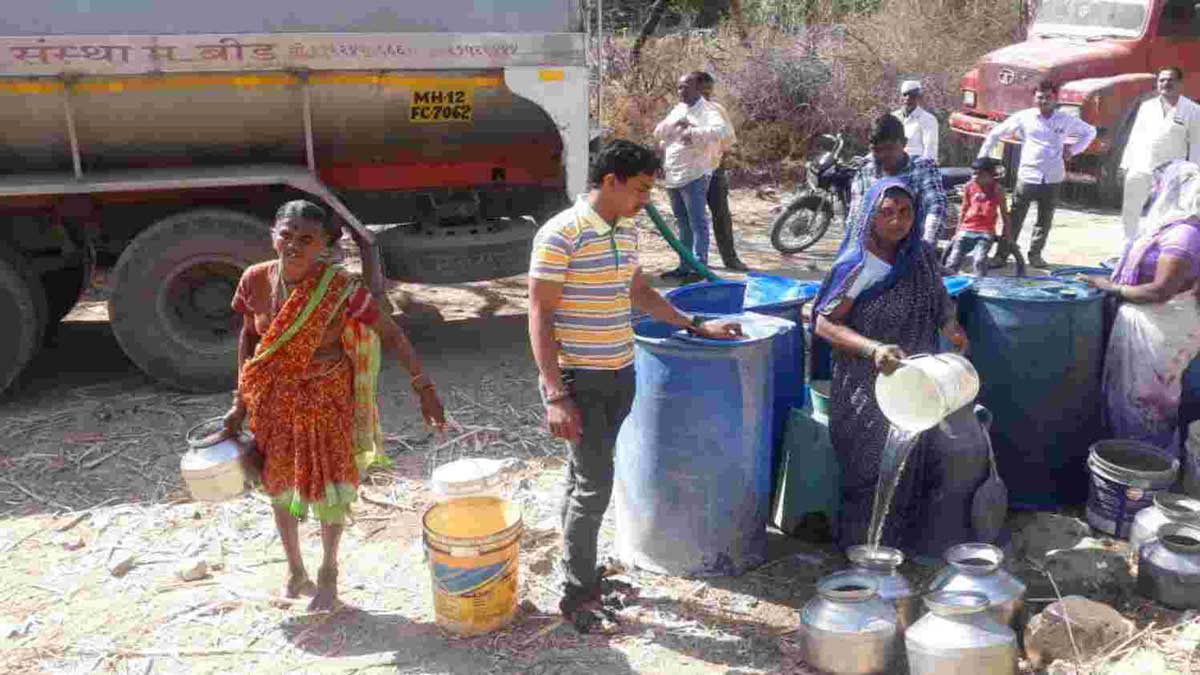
x: 583, y: 280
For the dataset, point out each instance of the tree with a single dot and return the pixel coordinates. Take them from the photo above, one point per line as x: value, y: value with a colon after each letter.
x: 656, y: 13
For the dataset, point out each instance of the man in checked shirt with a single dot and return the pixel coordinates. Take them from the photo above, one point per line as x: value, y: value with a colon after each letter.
x: 888, y: 159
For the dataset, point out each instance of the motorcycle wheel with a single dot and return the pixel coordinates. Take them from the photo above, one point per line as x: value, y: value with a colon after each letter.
x: 801, y: 224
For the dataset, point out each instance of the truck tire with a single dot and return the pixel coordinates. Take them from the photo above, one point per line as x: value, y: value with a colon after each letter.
x: 450, y: 255
x: 172, y: 287
x: 23, y: 306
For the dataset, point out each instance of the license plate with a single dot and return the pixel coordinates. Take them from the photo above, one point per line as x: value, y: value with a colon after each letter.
x: 439, y: 106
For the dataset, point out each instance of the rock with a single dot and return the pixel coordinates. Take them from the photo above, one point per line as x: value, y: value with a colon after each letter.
x: 1093, y: 571
x: 120, y: 565
x: 1048, y: 532
x: 528, y: 608
x: 1094, y: 626
x: 192, y: 569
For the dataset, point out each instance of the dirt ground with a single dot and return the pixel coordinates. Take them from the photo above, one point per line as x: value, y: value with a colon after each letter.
x: 89, y: 457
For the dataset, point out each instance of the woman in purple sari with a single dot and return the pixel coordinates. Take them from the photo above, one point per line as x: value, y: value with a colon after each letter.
x: 1156, y: 333
x: 882, y: 300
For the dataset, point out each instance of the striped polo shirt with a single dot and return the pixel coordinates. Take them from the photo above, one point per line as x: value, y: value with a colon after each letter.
x: 595, y: 264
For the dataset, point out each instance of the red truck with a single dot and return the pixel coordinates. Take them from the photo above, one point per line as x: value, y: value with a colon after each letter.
x: 1104, y: 55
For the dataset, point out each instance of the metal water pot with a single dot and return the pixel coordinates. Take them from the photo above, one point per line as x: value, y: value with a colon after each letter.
x: 848, y: 628
x: 977, y: 568
x: 960, y: 636
x: 1167, y: 508
x: 1169, y: 569
x: 881, y: 564
x: 216, y: 468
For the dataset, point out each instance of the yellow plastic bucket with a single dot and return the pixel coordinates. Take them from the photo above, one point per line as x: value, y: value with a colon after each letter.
x: 473, y: 545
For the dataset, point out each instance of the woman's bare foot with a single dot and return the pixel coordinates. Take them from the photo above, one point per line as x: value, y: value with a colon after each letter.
x: 326, y: 598
x: 298, y: 584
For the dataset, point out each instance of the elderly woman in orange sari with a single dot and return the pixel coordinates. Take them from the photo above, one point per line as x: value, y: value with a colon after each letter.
x: 308, y: 358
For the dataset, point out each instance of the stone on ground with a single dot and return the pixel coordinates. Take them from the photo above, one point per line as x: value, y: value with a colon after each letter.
x: 192, y: 569
x: 1094, y: 626
x: 120, y: 565
x: 1062, y: 546
x: 1048, y: 532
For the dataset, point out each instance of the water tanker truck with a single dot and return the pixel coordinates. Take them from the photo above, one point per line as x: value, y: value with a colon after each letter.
x: 1104, y: 55
x: 158, y: 137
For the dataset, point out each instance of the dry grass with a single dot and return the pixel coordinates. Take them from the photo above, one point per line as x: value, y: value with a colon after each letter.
x: 854, y: 67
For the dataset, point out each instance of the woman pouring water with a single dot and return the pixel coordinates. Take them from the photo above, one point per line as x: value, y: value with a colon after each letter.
x: 882, y: 301
x: 1156, y: 332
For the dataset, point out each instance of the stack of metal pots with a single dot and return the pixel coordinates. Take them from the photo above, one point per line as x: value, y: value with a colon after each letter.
x: 882, y: 563
x: 977, y: 568
x: 959, y: 635
x: 848, y: 629
x: 1169, y: 567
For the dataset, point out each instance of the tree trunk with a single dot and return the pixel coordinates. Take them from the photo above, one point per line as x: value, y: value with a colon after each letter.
x: 739, y: 20
x: 656, y: 14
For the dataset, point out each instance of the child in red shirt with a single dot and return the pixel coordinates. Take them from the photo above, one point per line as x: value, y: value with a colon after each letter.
x: 983, y: 200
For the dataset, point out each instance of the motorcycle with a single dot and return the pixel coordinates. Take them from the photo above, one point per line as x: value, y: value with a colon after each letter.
x: 807, y: 217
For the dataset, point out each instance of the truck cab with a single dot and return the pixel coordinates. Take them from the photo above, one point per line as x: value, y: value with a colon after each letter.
x: 1104, y: 55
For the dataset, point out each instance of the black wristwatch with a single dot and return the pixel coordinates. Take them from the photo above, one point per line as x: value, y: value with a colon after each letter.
x: 694, y: 323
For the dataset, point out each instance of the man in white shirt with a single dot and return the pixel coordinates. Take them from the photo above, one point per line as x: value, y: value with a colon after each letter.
x: 1167, y: 128
x: 1044, y: 133
x: 920, y: 126
x: 690, y: 137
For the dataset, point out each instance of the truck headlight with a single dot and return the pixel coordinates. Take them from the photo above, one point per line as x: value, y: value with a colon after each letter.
x: 968, y: 98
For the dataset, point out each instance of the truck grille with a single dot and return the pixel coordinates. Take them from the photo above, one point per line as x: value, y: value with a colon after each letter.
x: 1006, y: 89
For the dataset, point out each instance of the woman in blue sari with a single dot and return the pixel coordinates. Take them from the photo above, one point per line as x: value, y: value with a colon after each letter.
x: 882, y: 301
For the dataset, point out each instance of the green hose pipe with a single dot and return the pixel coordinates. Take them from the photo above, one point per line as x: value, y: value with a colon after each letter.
x: 687, y: 256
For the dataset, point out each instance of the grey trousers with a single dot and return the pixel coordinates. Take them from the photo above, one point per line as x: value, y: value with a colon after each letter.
x: 722, y: 219
x: 604, y: 398
x: 1045, y: 195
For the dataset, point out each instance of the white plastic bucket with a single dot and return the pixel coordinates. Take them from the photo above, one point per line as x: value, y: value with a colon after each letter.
x: 925, y: 389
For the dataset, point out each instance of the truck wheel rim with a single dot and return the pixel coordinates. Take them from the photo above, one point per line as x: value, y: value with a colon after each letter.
x: 193, y: 305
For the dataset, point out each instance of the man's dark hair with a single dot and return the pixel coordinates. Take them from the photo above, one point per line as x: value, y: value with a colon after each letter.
x: 989, y: 164
x: 887, y: 129
x: 1046, y: 87
x: 1174, y: 69
x: 302, y: 209
x: 704, y: 79
x: 625, y: 159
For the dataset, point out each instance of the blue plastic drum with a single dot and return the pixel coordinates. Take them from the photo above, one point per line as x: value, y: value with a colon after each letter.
x: 693, y: 468
x: 773, y: 296
x: 1037, y: 345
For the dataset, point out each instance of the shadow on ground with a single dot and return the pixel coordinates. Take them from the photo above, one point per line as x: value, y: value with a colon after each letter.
x: 353, y: 632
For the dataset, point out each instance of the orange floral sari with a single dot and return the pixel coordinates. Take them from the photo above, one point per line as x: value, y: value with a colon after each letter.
x: 314, y: 431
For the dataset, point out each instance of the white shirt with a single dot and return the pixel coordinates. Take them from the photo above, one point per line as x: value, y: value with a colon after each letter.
x: 1042, y: 141
x: 688, y: 153
x: 726, y: 143
x: 874, y: 270
x: 921, y: 128
x: 1161, y: 134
